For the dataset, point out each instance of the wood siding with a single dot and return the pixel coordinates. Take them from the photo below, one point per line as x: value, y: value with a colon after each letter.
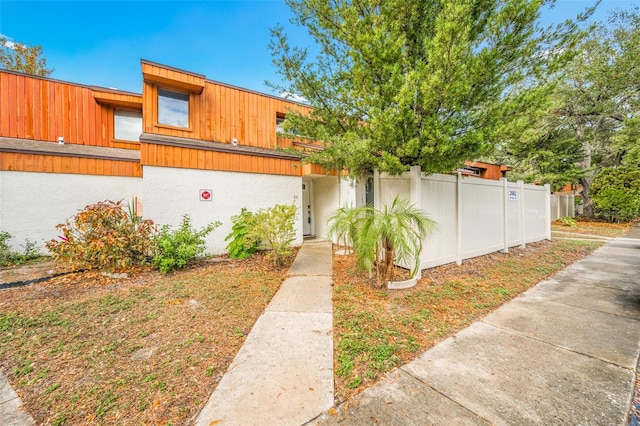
x: 23, y: 162
x: 180, y: 157
x: 222, y: 113
x: 43, y: 109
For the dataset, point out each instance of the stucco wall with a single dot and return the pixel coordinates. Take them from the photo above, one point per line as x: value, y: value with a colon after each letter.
x: 32, y: 204
x: 169, y: 193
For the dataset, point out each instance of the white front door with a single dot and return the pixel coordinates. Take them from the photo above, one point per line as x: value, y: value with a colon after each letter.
x: 306, y: 207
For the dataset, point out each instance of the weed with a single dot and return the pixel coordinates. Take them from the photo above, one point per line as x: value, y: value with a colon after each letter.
x: 106, y: 404
x: 52, y: 388
x: 357, y: 381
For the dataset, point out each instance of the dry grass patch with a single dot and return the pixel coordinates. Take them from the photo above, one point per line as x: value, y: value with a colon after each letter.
x: 378, y: 330
x: 85, y: 349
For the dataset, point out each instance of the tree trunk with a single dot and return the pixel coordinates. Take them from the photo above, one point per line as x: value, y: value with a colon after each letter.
x: 587, y: 202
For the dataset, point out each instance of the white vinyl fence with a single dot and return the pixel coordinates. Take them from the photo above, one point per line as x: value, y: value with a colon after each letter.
x: 474, y: 216
x: 562, y: 206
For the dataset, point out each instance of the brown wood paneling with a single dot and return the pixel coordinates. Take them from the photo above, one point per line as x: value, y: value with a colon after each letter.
x: 11, y: 161
x: 172, y: 156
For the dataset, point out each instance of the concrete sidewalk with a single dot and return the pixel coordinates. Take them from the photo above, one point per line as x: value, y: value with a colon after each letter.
x: 283, y: 374
x: 564, y: 352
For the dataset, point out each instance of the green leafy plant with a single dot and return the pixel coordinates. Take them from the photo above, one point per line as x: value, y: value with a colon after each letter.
x: 9, y: 257
x: 103, y: 236
x: 274, y: 229
x: 568, y: 221
x: 381, y: 238
x: 240, y: 245
x: 176, y: 248
x: 616, y: 194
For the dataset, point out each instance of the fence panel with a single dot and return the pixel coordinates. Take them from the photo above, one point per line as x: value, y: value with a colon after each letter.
x: 515, y: 214
x: 440, y: 201
x: 536, y: 213
x: 482, y: 211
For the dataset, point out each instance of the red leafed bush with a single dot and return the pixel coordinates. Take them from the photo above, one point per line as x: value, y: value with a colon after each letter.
x: 104, y: 236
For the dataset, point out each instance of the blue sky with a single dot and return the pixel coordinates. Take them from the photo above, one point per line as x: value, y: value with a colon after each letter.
x: 101, y: 42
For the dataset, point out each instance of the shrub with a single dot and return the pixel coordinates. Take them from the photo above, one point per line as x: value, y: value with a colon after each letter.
x: 616, y: 194
x: 568, y: 221
x: 103, y: 236
x: 175, y: 249
x: 382, y: 237
x: 10, y: 257
x: 274, y: 229
x: 240, y: 245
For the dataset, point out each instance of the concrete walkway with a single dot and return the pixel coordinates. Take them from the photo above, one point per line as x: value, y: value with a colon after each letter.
x: 11, y: 411
x: 564, y: 352
x: 283, y: 374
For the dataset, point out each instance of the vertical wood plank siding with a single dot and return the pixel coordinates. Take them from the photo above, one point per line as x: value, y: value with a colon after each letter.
x: 42, y: 109
x: 173, y: 156
x: 217, y: 112
x: 23, y: 162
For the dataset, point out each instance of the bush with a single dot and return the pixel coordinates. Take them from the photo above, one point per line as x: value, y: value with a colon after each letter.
x: 568, y: 221
x: 103, y: 236
x: 175, y: 249
x: 240, y: 245
x: 616, y: 194
x: 10, y: 257
x: 273, y: 229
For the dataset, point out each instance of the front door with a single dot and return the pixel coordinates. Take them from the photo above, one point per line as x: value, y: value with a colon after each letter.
x: 306, y: 207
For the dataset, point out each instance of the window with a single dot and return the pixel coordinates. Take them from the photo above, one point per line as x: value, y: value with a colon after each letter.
x: 127, y: 125
x: 279, y: 122
x: 173, y: 108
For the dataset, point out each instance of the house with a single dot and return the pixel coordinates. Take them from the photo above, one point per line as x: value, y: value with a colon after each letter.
x: 186, y: 144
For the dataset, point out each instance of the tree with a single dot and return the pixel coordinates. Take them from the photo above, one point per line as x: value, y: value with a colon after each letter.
x: 16, y: 56
x: 616, y: 193
x: 397, y: 83
x: 382, y: 237
x: 593, y: 119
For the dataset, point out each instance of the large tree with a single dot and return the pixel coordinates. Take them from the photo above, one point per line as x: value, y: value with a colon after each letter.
x: 593, y: 120
x: 16, y: 56
x: 396, y: 83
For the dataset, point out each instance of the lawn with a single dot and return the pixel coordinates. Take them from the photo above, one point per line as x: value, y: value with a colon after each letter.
x: 86, y: 349
x: 150, y: 349
x: 377, y: 330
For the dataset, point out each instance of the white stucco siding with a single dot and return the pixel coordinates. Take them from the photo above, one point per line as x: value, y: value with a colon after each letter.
x: 32, y: 204
x: 169, y: 193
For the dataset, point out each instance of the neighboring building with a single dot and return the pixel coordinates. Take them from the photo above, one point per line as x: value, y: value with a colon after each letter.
x: 186, y: 145
x: 484, y: 170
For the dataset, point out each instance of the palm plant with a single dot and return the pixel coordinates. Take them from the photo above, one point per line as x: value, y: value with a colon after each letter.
x: 382, y: 237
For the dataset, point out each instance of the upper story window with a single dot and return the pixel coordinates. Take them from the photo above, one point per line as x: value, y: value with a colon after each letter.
x: 173, y: 108
x: 127, y: 125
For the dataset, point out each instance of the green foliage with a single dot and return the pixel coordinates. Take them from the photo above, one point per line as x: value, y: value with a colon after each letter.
x: 616, y: 194
x: 400, y: 83
x: 592, y: 119
x: 240, y: 246
x: 103, y: 236
x: 176, y: 248
x: 382, y: 237
x: 9, y: 257
x: 568, y: 221
x: 16, y: 56
x: 274, y: 229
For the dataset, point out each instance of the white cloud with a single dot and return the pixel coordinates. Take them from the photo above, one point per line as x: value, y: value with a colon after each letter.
x: 8, y: 43
x: 294, y: 97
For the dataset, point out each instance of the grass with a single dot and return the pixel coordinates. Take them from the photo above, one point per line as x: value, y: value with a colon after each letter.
x: 85, y: 349
x: 376, y: 331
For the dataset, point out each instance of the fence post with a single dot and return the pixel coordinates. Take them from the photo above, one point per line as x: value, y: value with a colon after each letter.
x: 505, y: 214
x: 415, y: 195
x: 522, y: 213
x: 548, y: 209
x: 459, y: 219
